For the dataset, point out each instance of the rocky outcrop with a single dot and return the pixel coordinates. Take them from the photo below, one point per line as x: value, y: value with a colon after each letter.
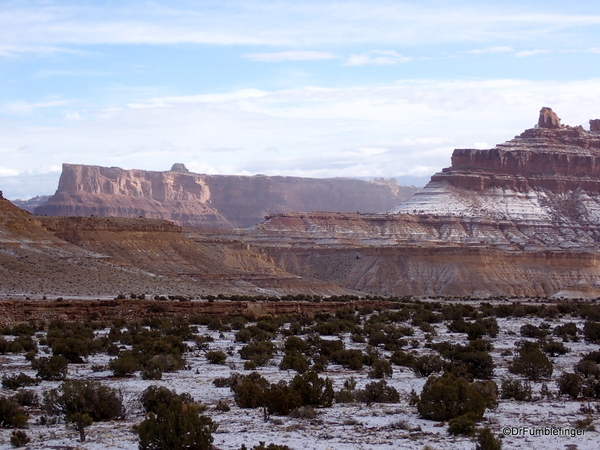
x: 219, y: 201
x: 548, y: 118
x: 522, y: 218
x: 555, y: 159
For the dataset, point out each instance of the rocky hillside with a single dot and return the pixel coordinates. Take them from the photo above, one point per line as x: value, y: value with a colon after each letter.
x: 218, y: 201
x: 90, y: 257
x: 519, y: 219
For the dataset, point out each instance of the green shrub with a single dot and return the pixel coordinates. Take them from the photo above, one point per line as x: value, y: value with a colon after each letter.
x: 294, y: 360
x: 125, y: 365
x: 202, y: 341
x: 426, y: 365
x: 516, y: 389
x: 402, y: 358
x: 313, y: 390
x: 258, y: 352
x: 591, y: 331
x: 328, y: 347
x: 469, y: 361
x: 176, y: 426
x: 475, y: 330
x: 554, y: 348
x: 281, y: 399
x: 14, y: 382
x: 463, y: 425
x: 349, y: 359
x: 567, y: 331
x: 531, y: 363
x: 377, y: 392
x: 587, y: 368
x: 26, y: 398
x: 12, y: 415
x: 249, y: 390
x: 19, y: 438
x: 296, y: 343
x: 570, y: 384
x: 154, y: 397
x: 487, y: 441
x: 73, y: 340
x: 84, y: 402
x: 446, y: 397
x: 216, y: 357
x: 53, y: 368
x: 531, y: 331
x: 380, y: 368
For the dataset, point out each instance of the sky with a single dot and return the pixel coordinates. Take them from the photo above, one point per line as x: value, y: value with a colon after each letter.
x: 298, y: 88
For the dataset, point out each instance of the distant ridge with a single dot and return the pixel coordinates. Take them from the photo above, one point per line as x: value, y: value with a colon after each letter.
x: 216, y: 201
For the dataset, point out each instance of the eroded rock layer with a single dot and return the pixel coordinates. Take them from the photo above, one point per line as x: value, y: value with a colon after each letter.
x: 522, y: 218
x: 196, y: 200
x: 90, y: 257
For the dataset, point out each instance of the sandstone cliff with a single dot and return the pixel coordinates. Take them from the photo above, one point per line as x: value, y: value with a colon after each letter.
x: 218, y: 201
x: 522, y: 218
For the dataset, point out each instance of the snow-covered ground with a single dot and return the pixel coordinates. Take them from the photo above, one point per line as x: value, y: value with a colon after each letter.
x: 341, y: 427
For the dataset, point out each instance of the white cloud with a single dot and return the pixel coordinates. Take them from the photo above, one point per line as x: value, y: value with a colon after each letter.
x: 490, y: 50
x: 71, y: 73
x: 527, y: 53
x: 243, y: 94
x: 8, y: 172
x: 377, y: 57
x: 23, y: 107
x: 290, y: 56
x: 284, y: 23
x: 12, y: 51
x: 407, y: 127
x: 73, y: 116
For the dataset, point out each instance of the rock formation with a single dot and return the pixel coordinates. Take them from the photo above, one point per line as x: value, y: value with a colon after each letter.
x: 522, y: 218
x: 179, y: 167
x: 90, y: 257
x: 219, y: 201
x: 548, y: 118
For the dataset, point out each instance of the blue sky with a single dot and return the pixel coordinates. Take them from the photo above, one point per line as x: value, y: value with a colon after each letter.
x: 302, y: 88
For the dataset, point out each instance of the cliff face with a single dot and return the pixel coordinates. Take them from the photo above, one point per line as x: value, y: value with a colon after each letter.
x: 559, y: 160
x: 218, y: 201
x: 522, y: 218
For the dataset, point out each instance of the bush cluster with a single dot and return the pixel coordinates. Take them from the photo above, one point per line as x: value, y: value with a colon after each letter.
x: 173, y: 421
x: 308, y: 389
x: 84, y: 402
x: 531, y: 362
x: 446, y: 397
x: 12, y: 415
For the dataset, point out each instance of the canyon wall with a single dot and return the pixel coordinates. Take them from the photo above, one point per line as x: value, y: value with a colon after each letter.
x: 218, y: 201
x: 522, y: 218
